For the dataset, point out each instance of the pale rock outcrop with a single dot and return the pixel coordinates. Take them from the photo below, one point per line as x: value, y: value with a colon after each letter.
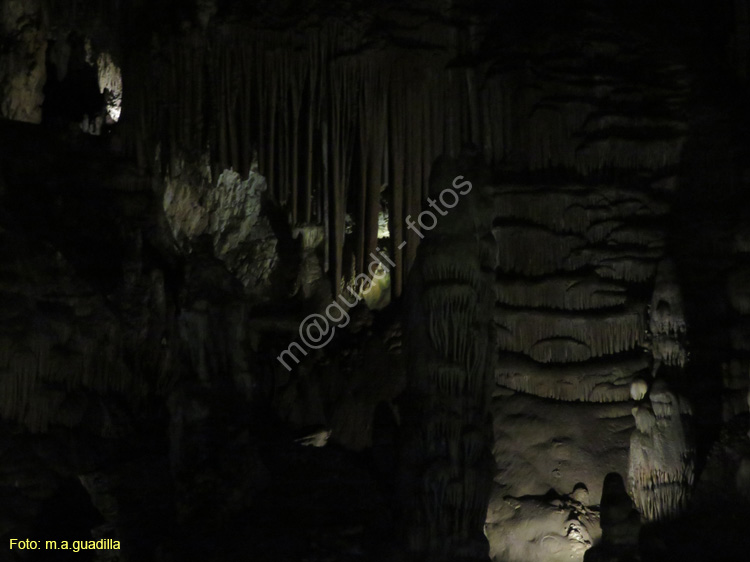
x: 543, y: 444
x: 662, y: 455
x: 229, y: 213
x: 23, y: 30
x: 574, y: 263
x: 552, y: 528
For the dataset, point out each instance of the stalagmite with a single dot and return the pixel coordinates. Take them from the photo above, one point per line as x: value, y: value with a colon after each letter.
x: 661, y: 473
x: 450, y: 379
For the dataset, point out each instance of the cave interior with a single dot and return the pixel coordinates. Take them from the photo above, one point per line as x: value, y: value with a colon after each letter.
x: 406, y: 280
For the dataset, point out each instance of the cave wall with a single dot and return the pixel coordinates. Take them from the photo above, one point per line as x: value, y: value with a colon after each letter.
x: 582, y: 314
x: 24, y: 32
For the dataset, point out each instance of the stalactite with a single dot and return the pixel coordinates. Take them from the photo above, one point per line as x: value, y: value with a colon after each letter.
x: 396, y: 144
x: 564, y: 292
x: 341, y: 119
x: 190, y: 93
x: 221, y: 113
x: 373, y: 118
x: 426, y: 140
x: 365, y: 121
x: 601, y: 380
x: 339, y: 188
x: 233, y: 82
x: 551, y: 251
x: 565, y: 333
x: 285, y: 165
x: 313, y: 62
x: 326, y: 205
x: 245, y: 110
x: 443, y: 267
x: 451, y: 125
x: 413, y: 169
x: 572, y: 209
x: 419, y: 180
x: 437, y: 133
x: 262, y: 109
x: 270, y: 169
x: 297, y: 84
x: 197, y: 111
x: 270, y: 92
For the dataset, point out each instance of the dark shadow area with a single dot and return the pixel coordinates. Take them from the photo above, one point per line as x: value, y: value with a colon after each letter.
x: 66, y: 516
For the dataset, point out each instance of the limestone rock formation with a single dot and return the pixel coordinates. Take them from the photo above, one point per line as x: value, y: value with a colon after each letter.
x: 23, y: 29
x: 229, y: 214
x: 662, y: 455
x: 667, y: 319
x: 549, y: 527
x: 555, y: 367
x: 446, y: 445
